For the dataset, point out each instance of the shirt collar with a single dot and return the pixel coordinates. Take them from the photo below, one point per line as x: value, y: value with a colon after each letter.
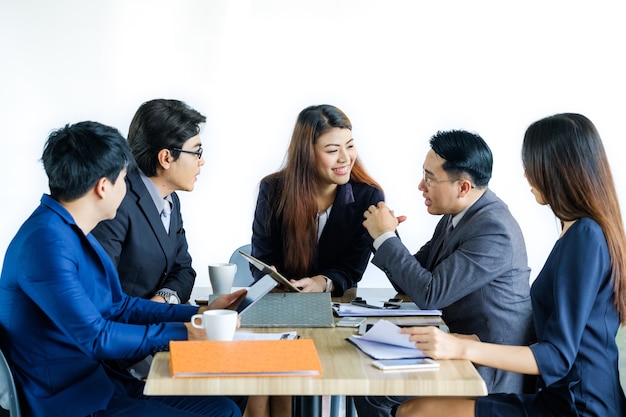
x: 159, y: 202
x: 456, y: 219
x: 50, y: 202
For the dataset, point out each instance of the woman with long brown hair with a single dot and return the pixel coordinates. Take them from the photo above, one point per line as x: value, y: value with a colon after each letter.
x: 578, y: 298
x: 308, y: 219
x: 309, y: 215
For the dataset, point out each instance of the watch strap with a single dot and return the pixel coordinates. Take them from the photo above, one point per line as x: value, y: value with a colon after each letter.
x: 166, y: 293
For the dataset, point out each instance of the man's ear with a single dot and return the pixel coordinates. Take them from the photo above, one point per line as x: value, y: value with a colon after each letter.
x: 165, y: 158
x: 466, y: 187
x: 101, y: 187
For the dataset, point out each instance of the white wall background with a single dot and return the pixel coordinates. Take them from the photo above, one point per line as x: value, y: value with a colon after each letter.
x: 400, y: 69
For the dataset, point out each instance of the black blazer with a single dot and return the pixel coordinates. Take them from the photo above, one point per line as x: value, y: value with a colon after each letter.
x: 147, y: 258
x: 345, y: 246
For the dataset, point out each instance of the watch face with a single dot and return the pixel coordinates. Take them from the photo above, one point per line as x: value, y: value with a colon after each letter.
x: 172, y: 299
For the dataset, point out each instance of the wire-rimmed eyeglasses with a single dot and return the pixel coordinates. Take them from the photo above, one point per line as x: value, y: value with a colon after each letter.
x: 198, y: 153
x: 430, y: 181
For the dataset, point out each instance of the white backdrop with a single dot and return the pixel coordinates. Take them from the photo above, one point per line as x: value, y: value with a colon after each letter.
x: 400, y: 69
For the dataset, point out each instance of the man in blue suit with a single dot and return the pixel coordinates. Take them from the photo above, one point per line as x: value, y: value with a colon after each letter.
x: 474, y: 268
x: 63, y: 312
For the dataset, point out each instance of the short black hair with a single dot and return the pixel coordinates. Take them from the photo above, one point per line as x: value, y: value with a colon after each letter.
x: 464, y: 153
x: 161, y: 124
x: 76, y: 156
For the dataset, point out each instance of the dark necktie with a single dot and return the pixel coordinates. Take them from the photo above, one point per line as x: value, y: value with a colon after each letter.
x: 440, y: 243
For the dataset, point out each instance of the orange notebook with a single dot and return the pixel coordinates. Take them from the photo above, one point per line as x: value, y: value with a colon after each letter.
x: 244, y: 358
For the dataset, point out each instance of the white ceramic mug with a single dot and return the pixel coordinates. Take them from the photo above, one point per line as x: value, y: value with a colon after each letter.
x: 222, y: 276
x: 218, y: 324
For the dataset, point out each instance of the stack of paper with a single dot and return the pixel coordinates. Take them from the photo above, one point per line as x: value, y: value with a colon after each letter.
x: 244, y: 358
x: 383, y: 341
x: 243, y: 335
x: 406, y: 309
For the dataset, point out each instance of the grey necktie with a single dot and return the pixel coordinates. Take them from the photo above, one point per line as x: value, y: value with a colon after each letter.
x: 165, y: 215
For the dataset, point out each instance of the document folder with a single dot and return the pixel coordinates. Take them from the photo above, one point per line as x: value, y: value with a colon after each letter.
x: 244, y: 358
x: 383, y: 341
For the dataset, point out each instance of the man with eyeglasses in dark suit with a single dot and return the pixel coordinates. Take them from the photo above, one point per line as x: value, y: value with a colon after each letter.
x: 146, y: 240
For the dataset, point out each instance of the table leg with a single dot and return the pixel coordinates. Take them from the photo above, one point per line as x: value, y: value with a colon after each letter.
x: 307, y: 406
x: 350, y: 410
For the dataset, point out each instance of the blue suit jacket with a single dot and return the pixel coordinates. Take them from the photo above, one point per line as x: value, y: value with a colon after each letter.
x: 344, y: 247
x: 146, y: 256
x: 63, y: 312
x: 479, y: 279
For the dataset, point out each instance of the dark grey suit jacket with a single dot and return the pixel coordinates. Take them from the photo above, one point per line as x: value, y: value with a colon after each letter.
x: 146, y: 256
x: 479, y: 279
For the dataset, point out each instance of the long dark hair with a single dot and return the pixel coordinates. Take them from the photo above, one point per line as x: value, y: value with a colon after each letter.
x: 565, y: 161
x: 298, y: 185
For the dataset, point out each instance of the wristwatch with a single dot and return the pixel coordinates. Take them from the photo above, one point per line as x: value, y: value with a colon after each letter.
x: 170, y: 296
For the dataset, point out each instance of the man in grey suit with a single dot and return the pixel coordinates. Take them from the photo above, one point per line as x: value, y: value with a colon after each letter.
x: 474, y: 268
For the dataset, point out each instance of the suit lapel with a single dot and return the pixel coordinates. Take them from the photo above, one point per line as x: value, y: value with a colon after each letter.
x: 340, y: 210
x: 146, y: 205
x: 439, y: 245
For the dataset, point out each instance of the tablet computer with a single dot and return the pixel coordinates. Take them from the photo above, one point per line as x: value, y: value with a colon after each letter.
x: 406, y: 364
x: 256, y: 291
x: 263, y: 267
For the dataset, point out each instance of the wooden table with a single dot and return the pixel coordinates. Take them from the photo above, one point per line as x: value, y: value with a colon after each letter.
x: 346, y: 371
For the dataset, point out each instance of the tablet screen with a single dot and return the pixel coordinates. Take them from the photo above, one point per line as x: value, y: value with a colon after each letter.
x: 256, y: 291
x: 261, y: 266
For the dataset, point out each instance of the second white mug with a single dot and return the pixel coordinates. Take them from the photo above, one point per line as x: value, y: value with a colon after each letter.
x: 221, y: 276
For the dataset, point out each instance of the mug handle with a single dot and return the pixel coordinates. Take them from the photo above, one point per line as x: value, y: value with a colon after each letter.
x: 193, y: 321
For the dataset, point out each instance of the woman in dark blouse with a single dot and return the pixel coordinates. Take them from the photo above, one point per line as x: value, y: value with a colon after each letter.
x: 309, y: 215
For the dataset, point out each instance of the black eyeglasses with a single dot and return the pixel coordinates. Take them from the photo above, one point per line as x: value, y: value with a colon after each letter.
x: 198, y: 152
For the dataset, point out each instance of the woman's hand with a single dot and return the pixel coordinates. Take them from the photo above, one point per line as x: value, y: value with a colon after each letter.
x: 436, y: 343
x: 312, y: 284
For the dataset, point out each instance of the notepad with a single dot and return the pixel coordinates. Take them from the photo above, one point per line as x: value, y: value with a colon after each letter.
x: 244, y: 358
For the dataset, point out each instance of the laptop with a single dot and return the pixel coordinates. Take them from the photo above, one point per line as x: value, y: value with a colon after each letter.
x: 263, y: 267
x: 293, y: 308
x: 290, y: 309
